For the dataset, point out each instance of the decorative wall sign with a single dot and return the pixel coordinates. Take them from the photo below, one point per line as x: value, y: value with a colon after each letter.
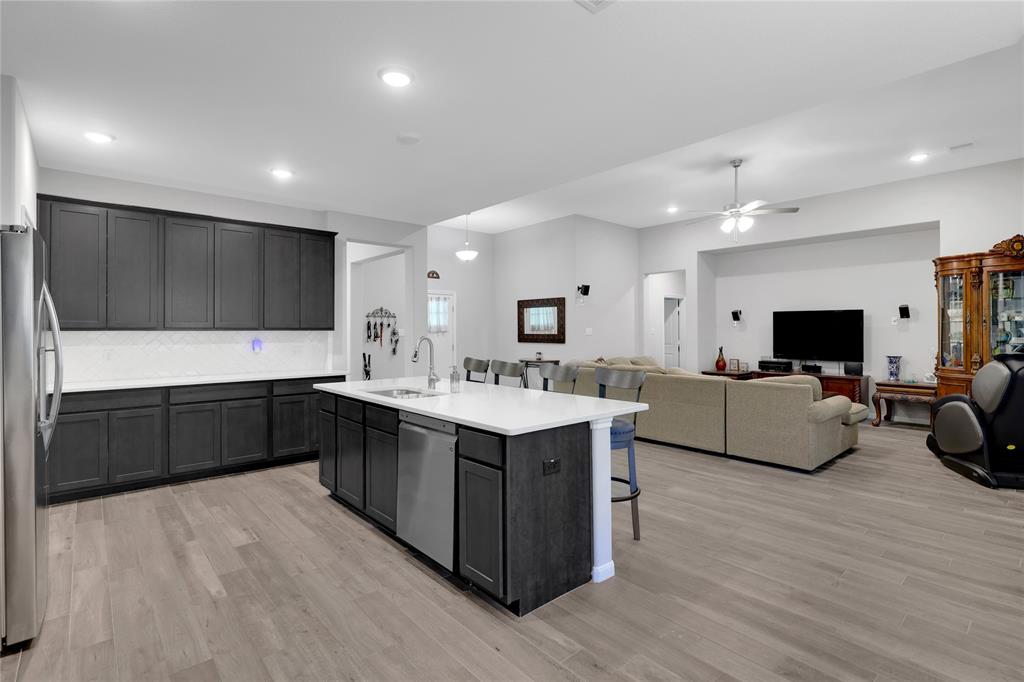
x: 433, y: 274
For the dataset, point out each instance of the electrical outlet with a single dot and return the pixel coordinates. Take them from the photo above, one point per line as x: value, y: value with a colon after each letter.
x: 589, y: 331
x: 894, y: 321
x: 552, y: 466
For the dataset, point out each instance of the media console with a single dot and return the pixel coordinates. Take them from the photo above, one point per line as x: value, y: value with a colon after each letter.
x: 853, y: 387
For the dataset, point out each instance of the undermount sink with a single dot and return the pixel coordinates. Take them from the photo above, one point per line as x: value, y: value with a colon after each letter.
x: 403, y: 393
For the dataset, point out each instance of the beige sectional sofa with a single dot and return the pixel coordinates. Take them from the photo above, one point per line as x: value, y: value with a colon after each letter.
x: 781, y: 420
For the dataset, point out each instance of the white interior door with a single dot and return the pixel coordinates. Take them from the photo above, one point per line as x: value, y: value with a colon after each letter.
x: 441, y: 330
x: 672, y: 332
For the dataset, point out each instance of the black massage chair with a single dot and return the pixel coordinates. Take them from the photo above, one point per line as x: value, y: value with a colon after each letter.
x: 983, y: 438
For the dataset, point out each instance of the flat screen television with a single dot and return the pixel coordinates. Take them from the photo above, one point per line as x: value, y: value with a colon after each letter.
x: 818, y: 335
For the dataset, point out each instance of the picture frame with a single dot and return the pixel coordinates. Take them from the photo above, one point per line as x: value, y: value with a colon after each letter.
x: 744, y: 367
x: 734, y: 365
x: 548, y: 314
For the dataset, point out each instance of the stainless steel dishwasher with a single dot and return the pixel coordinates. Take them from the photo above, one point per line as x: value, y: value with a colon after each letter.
x: 426, y: 486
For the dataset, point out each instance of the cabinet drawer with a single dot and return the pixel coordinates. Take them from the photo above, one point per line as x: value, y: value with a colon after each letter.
x: 481, y: 446
x: 110, y: 400
x: 350, y: 409
x: 326, y: 403
x: 382, y: 419
x: 203, y: 394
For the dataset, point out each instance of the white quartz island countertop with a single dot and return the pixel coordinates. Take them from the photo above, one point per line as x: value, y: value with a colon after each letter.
x: 507, y: 410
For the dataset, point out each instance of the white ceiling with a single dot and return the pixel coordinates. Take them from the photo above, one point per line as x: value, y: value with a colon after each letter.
x: 511, y: 98
x: 863, y: 138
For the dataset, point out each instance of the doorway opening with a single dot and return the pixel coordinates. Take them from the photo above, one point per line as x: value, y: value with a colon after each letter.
x: 665, y: 317
x: 673, y: 331
x: 378, y: 310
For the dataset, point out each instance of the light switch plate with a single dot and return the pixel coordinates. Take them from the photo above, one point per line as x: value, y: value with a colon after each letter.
x: 589, y: 331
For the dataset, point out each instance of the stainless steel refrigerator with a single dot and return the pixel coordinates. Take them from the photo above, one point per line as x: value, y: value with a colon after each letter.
x: 29, y: 332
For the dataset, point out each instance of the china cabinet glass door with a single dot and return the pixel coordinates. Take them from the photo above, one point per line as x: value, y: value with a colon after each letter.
x: 951, y: 320
x: 1006, y: 312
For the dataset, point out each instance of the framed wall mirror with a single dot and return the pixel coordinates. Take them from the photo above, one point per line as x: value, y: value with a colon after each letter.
x: 541, y: 320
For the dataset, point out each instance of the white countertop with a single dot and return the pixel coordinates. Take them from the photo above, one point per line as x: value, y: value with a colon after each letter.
x: 195, y: 380
x: 501, y: 409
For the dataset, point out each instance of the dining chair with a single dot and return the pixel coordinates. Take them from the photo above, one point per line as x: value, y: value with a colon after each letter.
x: 564, y: 373
x: 474, y: 365
x: 623, y: 431
x: 513, y: 370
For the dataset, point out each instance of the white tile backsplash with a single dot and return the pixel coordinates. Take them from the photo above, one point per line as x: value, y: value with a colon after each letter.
x: 115, y: 355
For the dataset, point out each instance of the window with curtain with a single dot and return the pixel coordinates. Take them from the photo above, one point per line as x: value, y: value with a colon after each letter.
x: 542, y: 320
x: 437, y: 313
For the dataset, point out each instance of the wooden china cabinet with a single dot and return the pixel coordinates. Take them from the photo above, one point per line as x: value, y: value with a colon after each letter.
x: 981, y: 311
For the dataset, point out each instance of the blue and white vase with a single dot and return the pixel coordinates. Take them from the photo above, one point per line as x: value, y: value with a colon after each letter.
x: 894, y: 366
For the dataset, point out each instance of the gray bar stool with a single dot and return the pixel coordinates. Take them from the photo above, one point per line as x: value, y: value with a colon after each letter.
x: 513, y: 370
x: 552, y: 372
x: 473, y: 365
x: 624, y: 431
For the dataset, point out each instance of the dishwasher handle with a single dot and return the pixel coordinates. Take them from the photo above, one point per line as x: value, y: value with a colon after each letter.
x: 427, y: 422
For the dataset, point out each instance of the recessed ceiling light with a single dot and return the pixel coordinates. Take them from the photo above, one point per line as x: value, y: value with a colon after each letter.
x: 281, y: 173
x: 409, y: 139
x: 395, y: 76
x: 673, y: 209
x: 99, y: 138
x: 919, y: 157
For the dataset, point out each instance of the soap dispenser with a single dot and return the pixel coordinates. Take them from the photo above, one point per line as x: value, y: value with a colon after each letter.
x: 453, y: 379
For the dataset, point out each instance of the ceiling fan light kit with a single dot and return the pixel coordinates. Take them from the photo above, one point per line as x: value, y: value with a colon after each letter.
x: 466, y: 254
x: 738, y: 216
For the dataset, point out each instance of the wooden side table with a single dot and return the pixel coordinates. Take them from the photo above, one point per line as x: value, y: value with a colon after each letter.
x: 892, y: 392
x: 739, y: 376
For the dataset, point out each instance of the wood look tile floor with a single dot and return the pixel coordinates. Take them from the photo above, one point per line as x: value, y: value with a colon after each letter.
x: 882, y: 566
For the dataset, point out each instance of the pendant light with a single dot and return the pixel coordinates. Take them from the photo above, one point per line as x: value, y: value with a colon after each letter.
x: 466, y: 254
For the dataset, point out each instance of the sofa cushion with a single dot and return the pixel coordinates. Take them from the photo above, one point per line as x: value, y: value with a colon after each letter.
x: 798, y: 379
x: 618, y: 360
x: 644, y: 360
x: 679, y: 371
x: 856, y: 414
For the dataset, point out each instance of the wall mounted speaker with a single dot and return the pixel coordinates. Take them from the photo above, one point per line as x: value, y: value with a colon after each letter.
x: 855, y: 369
x: 904, y: 312
x: 736, y: 315
x: 584, y: 289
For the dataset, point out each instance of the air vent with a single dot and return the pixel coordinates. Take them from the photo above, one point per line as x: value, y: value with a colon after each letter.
x: 961, y: 147
x: 594, y: 6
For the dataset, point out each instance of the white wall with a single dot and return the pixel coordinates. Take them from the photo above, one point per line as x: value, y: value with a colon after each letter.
x: 18, y: 168
x: 657, y: 287
x: 549, y: 260
x: 473, y: 285
x: 377, y: 281
x: 973, y: 208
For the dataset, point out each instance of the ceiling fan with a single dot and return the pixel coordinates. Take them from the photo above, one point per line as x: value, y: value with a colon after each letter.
x: 738, y: 216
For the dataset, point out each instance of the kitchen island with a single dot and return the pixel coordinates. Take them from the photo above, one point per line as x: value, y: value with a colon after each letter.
x: 508, y: 488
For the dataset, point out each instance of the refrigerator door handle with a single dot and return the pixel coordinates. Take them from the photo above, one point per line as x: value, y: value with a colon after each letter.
x: 48, y: 421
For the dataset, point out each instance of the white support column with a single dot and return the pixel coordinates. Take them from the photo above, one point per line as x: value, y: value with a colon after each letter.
x: 601, y: 492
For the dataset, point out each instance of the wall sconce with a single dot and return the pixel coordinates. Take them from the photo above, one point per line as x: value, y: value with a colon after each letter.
x: 736, y: 315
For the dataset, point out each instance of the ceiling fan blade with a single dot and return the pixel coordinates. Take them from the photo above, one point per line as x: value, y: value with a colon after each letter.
x: 708, y: 212
x: 767, y: 211
x: 746, y: 208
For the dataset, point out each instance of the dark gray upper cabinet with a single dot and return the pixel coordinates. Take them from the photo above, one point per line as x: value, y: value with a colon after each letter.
x: 243, y: 431
x: 78, y: 265
x: 134, y: 270
x: 188, y: 273
x: 78, y: 452
x: 382, y: 477
x: 317, y: 273
x: 237, y: 276
x: 281, y: 280
x: 137, y: 444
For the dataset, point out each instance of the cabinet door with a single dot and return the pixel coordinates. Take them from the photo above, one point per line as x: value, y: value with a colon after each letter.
x: 194, y: 442
x: 481, y: 536
x: 243, y: 431
x: 137, y: 449
x: 281, y: 280
x: 314, y: 423
x: 78, y: 451
x: 237, y: 277
x: 134, y: 278
x: 188, y: 274
x: 78, y: 265
x: 351, y: 462
x: 328, y: 451
x: 381, y: 477
x: 317, y: 275
x: 291, y: 425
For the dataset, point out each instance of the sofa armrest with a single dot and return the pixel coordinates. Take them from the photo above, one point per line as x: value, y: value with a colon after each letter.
x: 830, y: 408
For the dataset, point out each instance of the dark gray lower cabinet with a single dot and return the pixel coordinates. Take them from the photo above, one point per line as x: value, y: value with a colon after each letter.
x: 328, y: 450
x: 481, y: 523
x: 349, y: 445
x: 292, y: 419
x: 136, y: 444
x: 194, y: 443
x: 78, y: 451
x: 243, y: 431
x: 381, y: 477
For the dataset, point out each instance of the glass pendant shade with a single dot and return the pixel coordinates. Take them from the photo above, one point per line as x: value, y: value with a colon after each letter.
x: 745, y: 223
x: 466, y: 254
x: 728, y: 224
